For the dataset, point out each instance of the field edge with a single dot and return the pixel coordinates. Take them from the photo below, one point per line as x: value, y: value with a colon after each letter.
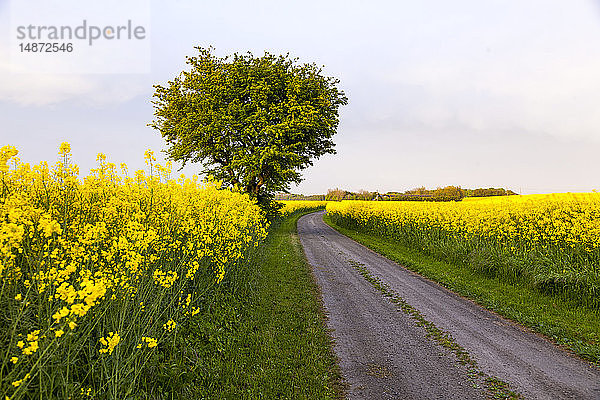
x: 278, y: 345
x: 557, y: 319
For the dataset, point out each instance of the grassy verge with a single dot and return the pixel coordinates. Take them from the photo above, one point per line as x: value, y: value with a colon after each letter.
x: 263, y: 334
x: 565, y: 321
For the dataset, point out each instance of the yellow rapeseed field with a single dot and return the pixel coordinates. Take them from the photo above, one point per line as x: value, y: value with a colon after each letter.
x: 552, y: 240
x: 291, y: 206
x: 98, y: 272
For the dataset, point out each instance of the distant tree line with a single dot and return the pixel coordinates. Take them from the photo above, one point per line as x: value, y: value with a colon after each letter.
x: 293, y: 196
x: 489, y: 192
x: 340, y: 194
x: 448, y: 193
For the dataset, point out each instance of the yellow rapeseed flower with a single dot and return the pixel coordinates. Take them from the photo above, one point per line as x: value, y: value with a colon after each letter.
x: 65, y: 148
x: 20, y: 381
x: 170, y: 325
x: 111, y: 341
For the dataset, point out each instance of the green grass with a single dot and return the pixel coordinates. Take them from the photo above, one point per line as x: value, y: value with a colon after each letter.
x: 564, y: 320
x: 262, y: 336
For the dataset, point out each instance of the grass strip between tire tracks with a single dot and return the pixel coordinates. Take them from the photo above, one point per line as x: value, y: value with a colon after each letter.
x: 494, y: 387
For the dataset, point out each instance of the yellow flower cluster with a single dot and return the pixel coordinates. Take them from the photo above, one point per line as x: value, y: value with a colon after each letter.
x: 111, y: 341
x: 165, y: 279
x: 151, y: 342
x: 170, y: 325
x: 32, y: 343
x: 20, y: 381
x: 291, y: 206
x: 6, y: 153
x: 107, y: 252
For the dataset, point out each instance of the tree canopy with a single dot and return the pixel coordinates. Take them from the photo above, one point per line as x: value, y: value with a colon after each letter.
x: 253, y: 122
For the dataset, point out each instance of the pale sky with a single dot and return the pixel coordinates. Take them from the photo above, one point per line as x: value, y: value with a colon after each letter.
x: 470, y: 93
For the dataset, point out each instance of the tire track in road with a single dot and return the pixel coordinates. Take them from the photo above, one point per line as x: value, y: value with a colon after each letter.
x: 384, y: 354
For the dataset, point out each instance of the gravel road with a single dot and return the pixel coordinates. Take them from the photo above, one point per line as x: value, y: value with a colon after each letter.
x: 384, y: 354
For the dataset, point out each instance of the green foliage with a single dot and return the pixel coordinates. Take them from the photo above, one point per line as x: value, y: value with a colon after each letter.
x: 340, y: 194
x: 295, y: 196
x: 448, y: 193
x: 481, y: 192
x: 253, y: 122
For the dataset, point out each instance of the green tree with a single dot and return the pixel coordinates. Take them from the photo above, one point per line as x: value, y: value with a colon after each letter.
x: 253, y: 122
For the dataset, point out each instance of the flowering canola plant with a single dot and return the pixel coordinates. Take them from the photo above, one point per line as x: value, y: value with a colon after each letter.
x: 291, y: 206
x: 97, y: 272
x: 552, y: 241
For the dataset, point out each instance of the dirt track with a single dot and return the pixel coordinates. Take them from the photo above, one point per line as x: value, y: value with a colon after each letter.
x: 385, y: 355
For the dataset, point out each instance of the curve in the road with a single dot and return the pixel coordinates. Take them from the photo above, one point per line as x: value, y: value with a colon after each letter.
x: 384, y: 354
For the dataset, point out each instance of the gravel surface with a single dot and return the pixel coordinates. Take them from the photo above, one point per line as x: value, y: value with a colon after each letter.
x: 385, y: 355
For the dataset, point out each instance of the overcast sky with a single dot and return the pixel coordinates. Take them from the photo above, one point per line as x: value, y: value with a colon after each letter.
x: 470, y: 93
